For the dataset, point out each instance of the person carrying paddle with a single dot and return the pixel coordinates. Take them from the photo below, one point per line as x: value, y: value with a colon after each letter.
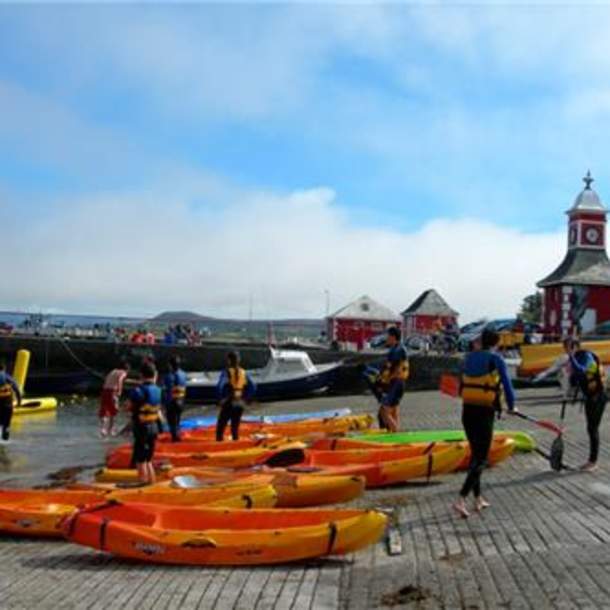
x: 563, y: 369
x: 174, y: 392
x: 233, y: 389
x: 9, y: 390
x: 484, y: 377
x: 589, y: 376
x: 145, y: 406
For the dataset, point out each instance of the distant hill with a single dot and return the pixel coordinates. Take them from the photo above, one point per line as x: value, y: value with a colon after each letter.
x: 181, y: 317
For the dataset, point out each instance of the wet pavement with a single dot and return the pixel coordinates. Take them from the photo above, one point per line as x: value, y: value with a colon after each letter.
x: 543, y: 543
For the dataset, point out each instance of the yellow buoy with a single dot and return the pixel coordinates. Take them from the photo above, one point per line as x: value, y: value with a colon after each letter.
x: 22, y: 364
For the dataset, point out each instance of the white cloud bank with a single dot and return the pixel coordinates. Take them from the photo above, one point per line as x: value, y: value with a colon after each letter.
x: 149, y: 252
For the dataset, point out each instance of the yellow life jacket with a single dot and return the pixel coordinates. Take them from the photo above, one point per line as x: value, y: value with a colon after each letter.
x: 237, y: 382
x: 148, y: 414
x: 178, y: 392
x: 6, y: 391
x: 595, y: 377
x: 400, y: 372
x: 482, y: 390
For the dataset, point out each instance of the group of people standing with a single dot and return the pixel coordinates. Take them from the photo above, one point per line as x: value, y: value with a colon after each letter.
x: 485, y: 390
x: 151, y: 405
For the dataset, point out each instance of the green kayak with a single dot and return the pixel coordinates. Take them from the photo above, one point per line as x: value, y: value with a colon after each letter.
x: 523, y: 440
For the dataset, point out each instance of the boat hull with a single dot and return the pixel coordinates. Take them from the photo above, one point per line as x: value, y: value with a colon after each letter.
x: 223, y: 537
x: 297, y: 387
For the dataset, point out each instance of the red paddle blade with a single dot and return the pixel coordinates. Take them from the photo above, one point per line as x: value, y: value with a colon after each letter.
x: 549, y: 425
x: 450, y: 385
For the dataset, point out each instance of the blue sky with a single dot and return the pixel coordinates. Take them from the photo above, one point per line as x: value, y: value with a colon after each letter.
x: 282, y: 149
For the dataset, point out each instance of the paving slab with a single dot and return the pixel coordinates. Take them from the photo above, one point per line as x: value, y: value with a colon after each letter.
x: 542, y: 544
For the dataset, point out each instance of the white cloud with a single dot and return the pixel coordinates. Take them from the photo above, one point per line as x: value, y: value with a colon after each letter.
x: 110, y: 253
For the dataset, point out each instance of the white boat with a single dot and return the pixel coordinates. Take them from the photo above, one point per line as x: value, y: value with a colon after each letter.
x: 287, y: 374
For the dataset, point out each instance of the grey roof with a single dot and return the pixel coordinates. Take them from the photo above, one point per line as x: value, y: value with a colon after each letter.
x: 430, y: 303
x: 588, y: 200
x: 366, y: 308
x: 589, y: 267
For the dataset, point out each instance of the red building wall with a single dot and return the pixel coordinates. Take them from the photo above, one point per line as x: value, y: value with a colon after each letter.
x: 598, y: 299
x: 552, y: 310
x: 421, y: 324
x: 357, y: 331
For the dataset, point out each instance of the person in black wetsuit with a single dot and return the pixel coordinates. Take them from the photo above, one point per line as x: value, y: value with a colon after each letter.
x: 234, y: 388
x: 388, y: 384
x: 145, y: 406
x: 9, y: 391
x: 483, y: 379
x: 174, y: 392
x: 589, y: 376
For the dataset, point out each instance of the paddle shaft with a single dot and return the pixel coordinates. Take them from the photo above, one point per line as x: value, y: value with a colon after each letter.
x: 543, y: 423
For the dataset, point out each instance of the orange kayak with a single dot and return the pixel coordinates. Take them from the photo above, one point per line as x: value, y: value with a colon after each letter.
x: 333, y: 425
x: 214, y: 536
x: 501, y: 449
x: 232, y: 458
x: 34, y: 512
x: 211, y: 444
x: 292, y: 490
x: 383, y: 472
x: 342, y: 451
x: 394, y: 468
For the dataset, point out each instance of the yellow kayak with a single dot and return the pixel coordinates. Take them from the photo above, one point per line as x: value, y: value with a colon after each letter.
x: 539, y: 357
x: 31, y: 406
x: 294, y: 490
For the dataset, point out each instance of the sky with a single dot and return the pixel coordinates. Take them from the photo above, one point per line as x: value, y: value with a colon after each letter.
x: 212, y: 156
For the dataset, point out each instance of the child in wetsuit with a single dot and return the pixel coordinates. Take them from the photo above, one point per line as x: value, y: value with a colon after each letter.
x: 234, y: 388
x: 145, y: 406
x: 9, y: 390
x: 174, y: 392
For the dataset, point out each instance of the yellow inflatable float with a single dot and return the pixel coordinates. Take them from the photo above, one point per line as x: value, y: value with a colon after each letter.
x: 29, y: 405
x: 537, y: 358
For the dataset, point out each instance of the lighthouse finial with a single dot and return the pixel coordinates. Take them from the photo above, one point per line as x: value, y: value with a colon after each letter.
x: 588, y: 180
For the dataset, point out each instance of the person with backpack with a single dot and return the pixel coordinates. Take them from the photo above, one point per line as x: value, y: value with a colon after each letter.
x: 484, y: 382
x: 589, y: 375
x: 174, y: 392
x: 234, y: 388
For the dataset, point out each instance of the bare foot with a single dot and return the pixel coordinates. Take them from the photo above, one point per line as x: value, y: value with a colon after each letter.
x: 589, y: 467
x: 481, y: 504
x: 460, y: 508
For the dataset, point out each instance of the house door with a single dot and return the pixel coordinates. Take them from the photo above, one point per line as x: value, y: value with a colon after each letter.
x: 589, y: 320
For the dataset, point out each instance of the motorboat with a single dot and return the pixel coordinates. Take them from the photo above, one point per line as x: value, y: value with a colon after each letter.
x: 287, y: 374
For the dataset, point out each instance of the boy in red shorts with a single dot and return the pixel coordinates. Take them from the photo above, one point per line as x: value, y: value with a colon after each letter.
x: 109, y: 401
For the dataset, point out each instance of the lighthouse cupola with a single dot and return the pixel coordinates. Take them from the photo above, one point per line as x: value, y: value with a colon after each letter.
x: 587, y: 219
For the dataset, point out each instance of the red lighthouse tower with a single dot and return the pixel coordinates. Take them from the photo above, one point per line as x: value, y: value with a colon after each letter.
x: 577, y: 293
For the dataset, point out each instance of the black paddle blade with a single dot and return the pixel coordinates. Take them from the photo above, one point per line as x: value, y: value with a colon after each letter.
x: 556, y: 455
